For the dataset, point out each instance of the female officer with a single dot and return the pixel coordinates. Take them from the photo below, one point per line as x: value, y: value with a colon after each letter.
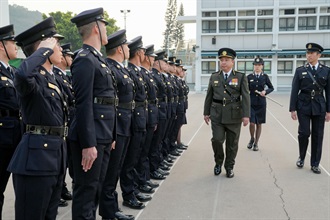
x: 257, y: 83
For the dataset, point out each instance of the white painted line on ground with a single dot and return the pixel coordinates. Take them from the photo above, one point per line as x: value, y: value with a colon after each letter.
x: 295, y: 138
x: 161, y: 182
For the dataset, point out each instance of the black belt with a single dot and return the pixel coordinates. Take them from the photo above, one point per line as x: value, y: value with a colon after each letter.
x: 163, y: 99
x: 226, y: 101
x: 127, y: 105
x: 183, y: 98
x: 141, y: 104
x: 9, y: 113
x: 106, y: 101
x: 312, y: 93
x: 61, y: 131
x: 155, y: 102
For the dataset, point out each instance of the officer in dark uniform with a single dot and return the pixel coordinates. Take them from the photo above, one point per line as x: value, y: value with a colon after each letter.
x: 155, y: 157
x: 39, y: 161
x: 227, y: 105
x: 142, y: 167
x: 310, y: 84
x: 117, y: 52
x: 92, y: 132
x: 258, y: 81
x: 65, y: 82
x: 10, y: 130
x: 139, y: 123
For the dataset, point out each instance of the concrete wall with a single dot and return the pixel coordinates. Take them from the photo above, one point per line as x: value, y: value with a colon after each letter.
x: 4, y: 13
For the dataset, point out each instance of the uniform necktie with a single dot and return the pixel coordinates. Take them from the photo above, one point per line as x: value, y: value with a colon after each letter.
x: 313, y: 70
x: 10, y: 71
x: 226, y: 76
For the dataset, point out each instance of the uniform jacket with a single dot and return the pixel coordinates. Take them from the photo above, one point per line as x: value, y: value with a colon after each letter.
x: 181, y: 100
x: 186, y: 92
x: 41, y: 101
x: 302, y: 86
x: 161, y: 93
x: 91, y: 78
x: 10, y: 129
x: 170, y: 95
x: 140, y: 114
x: 231, y: 112
x: 259, y: 84
x: 152, y: 97
x: 125, y: 94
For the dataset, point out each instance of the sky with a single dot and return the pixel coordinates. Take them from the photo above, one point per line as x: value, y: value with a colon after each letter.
x: 146, y: 17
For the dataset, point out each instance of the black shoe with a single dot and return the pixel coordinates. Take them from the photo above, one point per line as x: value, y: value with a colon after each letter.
x: 164, y: 167
x: 300, y: 163
x: 230, y: 173
x: 133, y: 204
x: 178, y: 151
x: 142, y: 197
x: 316, y: 169
x: 164, y: 162
x: 163, y: 172
x: 182, y: 147
x: 146, y: 189
x: 250, y: 144
x: 217, y: 169
x: 157, y: 176
x: 174, y: 153
x: 170, y: 158
x: 66, y: 196
x: 63, y: 203
x: 255, y: 147
x: 122, y: 216
x: 152, y: 184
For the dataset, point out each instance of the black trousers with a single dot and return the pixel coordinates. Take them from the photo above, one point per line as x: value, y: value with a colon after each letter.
x: 155, y: 157
x: 37, y: 197
x: 166, y: 139
x: 87, y: 188
x: 127, y: 172
x: 5, y: 157
x: 178, y: 122
x: 305, y: 130
x: 142, y: 168
x: 109, y: 197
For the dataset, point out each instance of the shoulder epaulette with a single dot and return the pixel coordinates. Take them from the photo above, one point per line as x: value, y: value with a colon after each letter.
x: 215, y: 72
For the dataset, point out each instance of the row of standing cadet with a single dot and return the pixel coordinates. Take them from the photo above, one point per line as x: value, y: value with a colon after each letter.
x: 113, y: 117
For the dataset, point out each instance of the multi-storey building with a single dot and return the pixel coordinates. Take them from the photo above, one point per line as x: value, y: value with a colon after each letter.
x: 276, y: 30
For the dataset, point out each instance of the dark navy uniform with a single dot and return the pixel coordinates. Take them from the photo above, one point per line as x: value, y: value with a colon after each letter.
x: 39, y: 161
x: 139, y: 124
x: 94, y: 121
x: 109, y: 196
x: 258, y: 103
x: 10, y: 129
x: 155, y: 157
x: 307, y: 98
x: 142, y: 167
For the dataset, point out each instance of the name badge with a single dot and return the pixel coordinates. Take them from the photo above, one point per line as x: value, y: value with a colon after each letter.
x: 3, y: 78
x: 304, y: 73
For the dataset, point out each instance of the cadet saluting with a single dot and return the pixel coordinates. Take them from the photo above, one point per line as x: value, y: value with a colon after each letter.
x: 310, y: 83
x: 227, y: 104
x: 39, y: 161
x: 93, y: 127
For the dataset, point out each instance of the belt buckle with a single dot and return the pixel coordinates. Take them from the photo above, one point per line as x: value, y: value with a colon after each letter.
x: 133, y: 105
x: 116, y: 101
x: 66, y: 131
x: 224, y: 102
x: 313, y: 93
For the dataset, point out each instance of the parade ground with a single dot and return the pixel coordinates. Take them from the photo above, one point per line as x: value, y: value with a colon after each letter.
x: 267, y: 184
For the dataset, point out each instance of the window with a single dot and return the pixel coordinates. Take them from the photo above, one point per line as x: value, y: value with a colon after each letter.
x: 265, y: 25
x: 245, y: 66
x: 265, y: 12
x: 227, y: 26
x: 208, y: 67
x: 287, y: 12
x: 267, y: 67
x: 284, y: 67
x: 287, y: 24
x: 300, y: 63
x: 245, y: 25
x: 307, y: 23
x: 209, y: 14
x: 209, y: 26
x: 325, y: 62
x: 324, y: 22
x: 325, y: 9
x: 246, y: 13
x: 227, y: 13
x: 307, y: 11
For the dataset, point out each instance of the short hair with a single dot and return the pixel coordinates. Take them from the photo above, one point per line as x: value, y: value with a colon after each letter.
x: 86, y: 30
x: 111, y: 51
x: 31, y: 48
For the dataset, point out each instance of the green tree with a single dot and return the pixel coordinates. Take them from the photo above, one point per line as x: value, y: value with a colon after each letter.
x: 66, y: 28
x: 170, y: 19
x: 179, y: 32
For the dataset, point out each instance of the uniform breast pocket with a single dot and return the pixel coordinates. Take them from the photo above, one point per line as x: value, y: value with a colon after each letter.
x: 44, y: 153
x: 7, y: 90
x: 7, y: 131
x: 53, y: 99
x: 236, y: 112
x: 140, y: 120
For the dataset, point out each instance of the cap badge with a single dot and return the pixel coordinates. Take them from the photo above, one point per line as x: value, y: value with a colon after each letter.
x: 309, y: 46
x: 257, y: 60
x: 224, y: 53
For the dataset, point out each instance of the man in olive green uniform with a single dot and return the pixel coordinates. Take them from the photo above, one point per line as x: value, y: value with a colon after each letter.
x: 227, y: 105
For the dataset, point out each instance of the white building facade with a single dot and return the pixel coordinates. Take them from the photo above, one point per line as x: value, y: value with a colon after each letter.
x: 275, y: 30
